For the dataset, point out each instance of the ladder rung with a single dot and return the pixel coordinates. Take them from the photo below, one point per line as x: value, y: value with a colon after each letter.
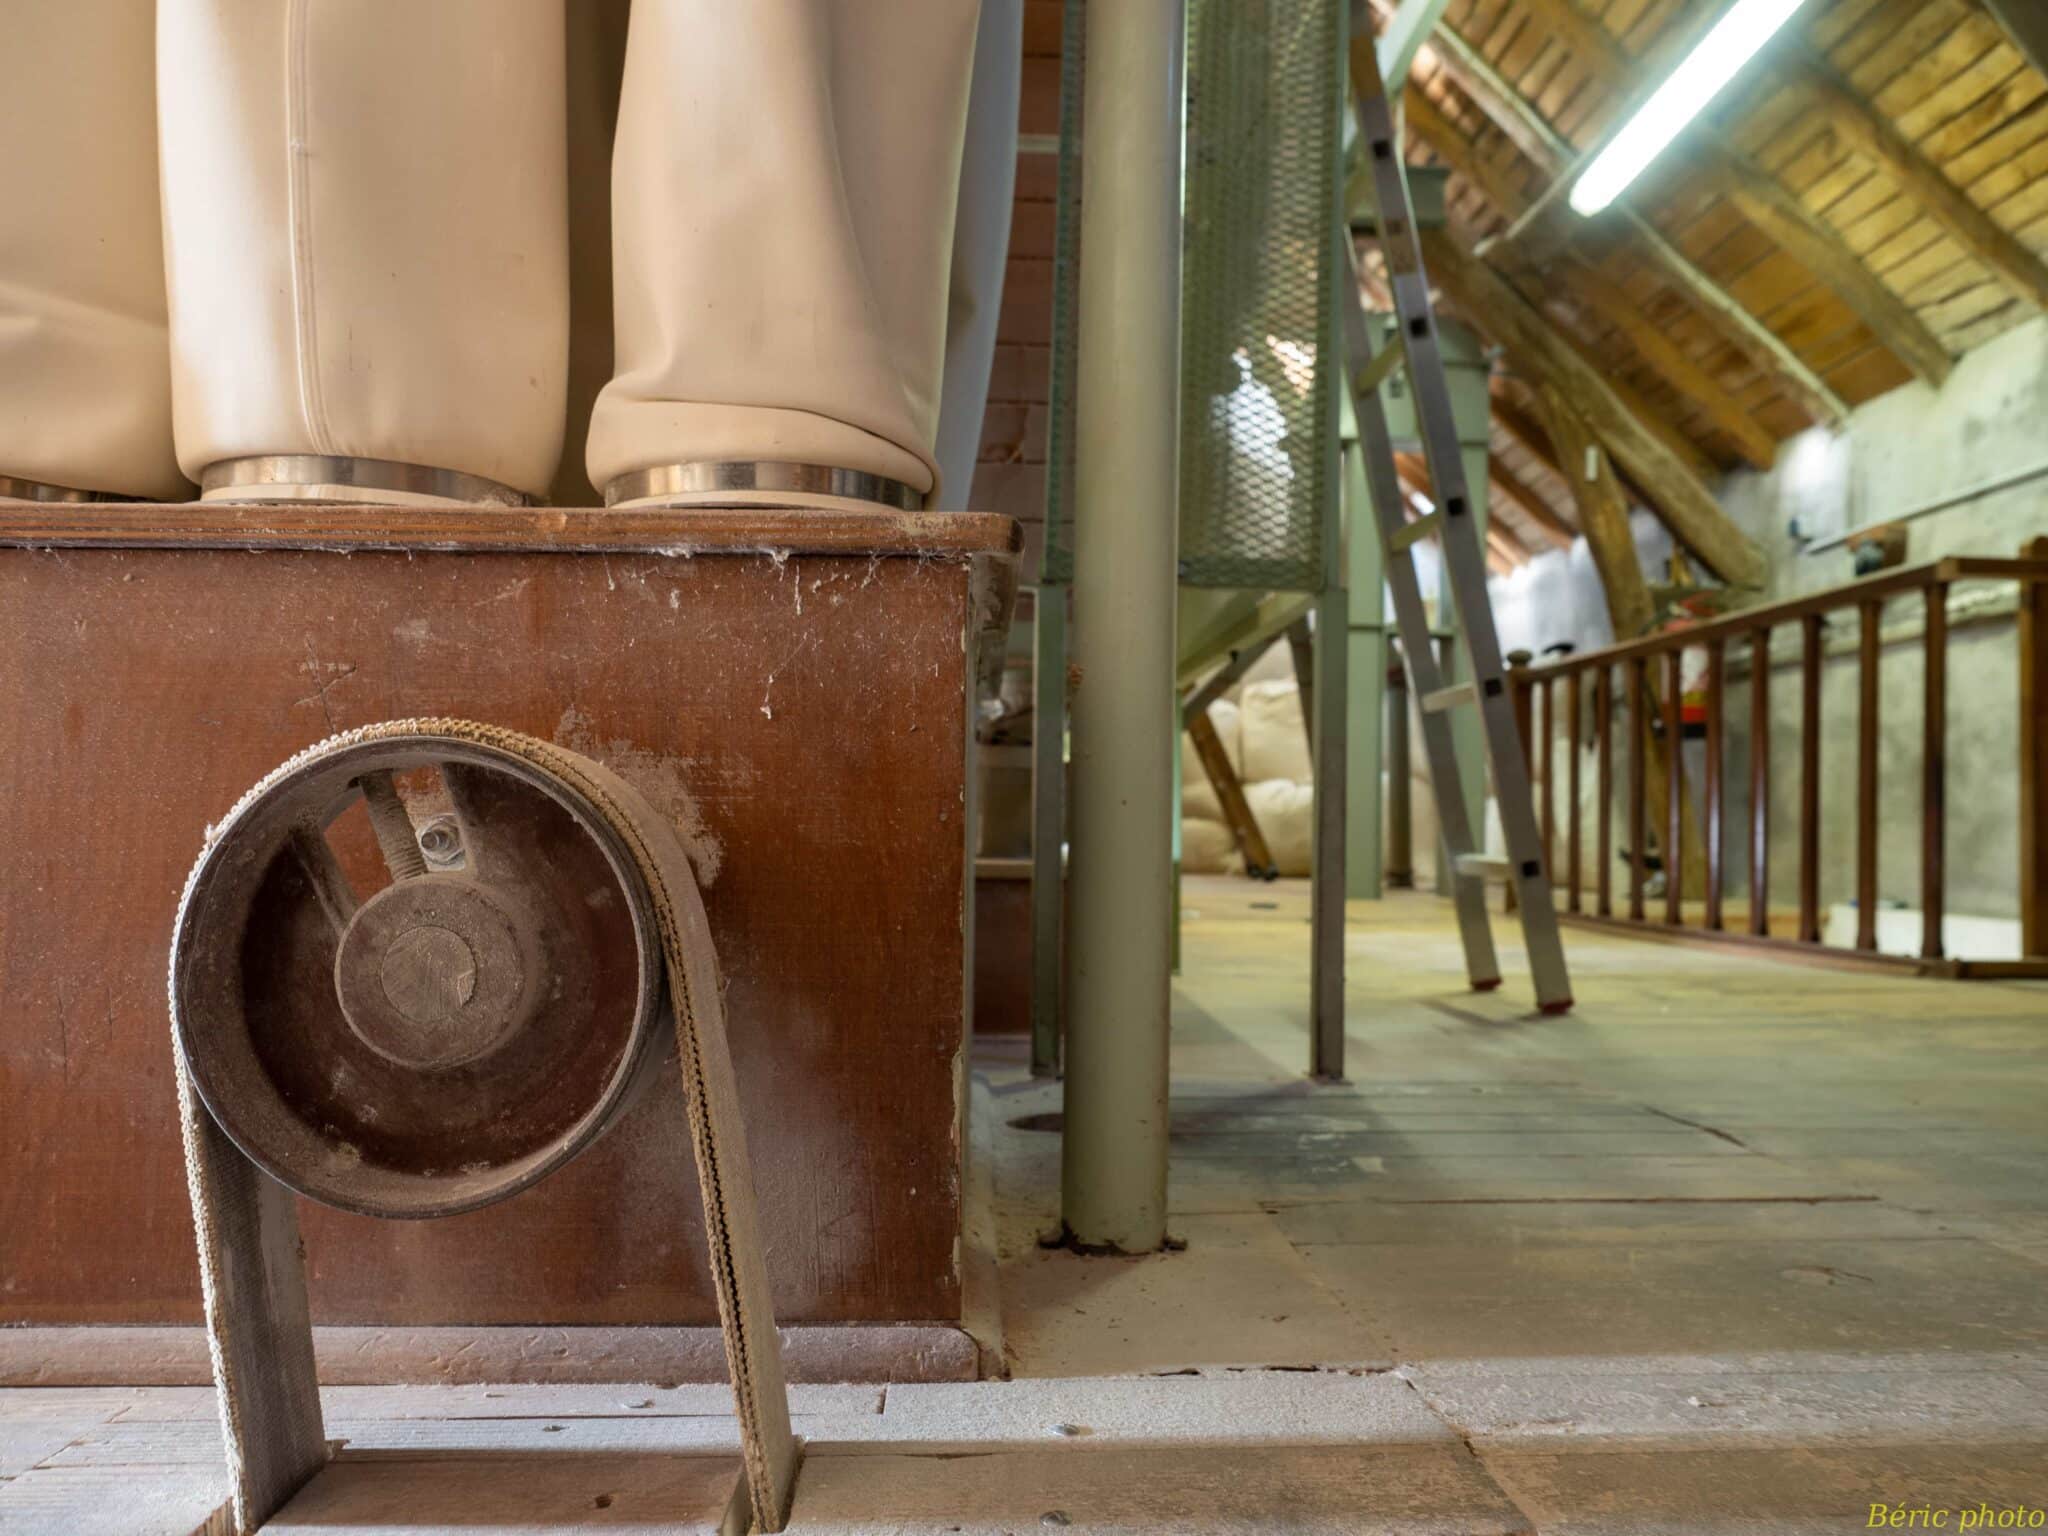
x: 1449, y: 698
x: 1384, y: 362
x: 1408, y: 535
x: 1481, y: 867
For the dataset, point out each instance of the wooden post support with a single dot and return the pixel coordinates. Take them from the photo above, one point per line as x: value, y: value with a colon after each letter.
x: 1237, y: 811
x: 1809, y: 778
x: 1715, y: 826
x: 2033, y: 638
x: 1934, y: 774
x: 1868, y: 659
x: 1604, y: 518
x: 1760, y: 782
x: 1301, y: 649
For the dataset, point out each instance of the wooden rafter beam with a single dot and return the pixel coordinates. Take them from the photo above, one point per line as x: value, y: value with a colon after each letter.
x: 1676, y: 445
x: 1603, y: 516
x: 1525, y: 430
x: 1526, y: 128
x: 1799, y: 234
x: 1860, y: 129
x: 1761, y: 199
x: 1237, y: 811
x: 1593, y: 292
x: 1684, y: 504
x: 2026, y: 23
x: 1538, y: 511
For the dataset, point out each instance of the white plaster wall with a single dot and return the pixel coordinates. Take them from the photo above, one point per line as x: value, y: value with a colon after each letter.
x: 1906, y: 451
x: 1979, y: 443
x: 1557, y: 598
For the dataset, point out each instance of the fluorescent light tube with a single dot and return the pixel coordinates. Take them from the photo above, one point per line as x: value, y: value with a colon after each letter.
x: 1700, y: 77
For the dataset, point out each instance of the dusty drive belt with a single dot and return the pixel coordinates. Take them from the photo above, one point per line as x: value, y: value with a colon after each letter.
x: 235, y: 1205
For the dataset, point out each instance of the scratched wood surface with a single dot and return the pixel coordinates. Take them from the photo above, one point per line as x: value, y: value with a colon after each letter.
x: 802, y: 716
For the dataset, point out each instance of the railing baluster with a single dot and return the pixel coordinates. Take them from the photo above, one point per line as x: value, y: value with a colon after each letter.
x: 1522, y: 685
x: 1571, y: 786
x: 1638, y: 796
x: 1603, y: 725
x: 1869, y: 616
x: 1635, y: 687
x: 1712, y: 789
x: 1760, y: 782
x: 1674, y: 790
x: 1549, y: 741
x: 1934, y: 773
x: 1809, y: 778
x: 2033, y: 640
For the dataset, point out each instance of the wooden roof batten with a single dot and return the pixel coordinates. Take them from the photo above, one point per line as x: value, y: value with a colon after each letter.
x: 1664, y: 463
x: 1860, y: 128
x: 1761, y: 199
x: 1506, y: 109
x: 1536, y: 511
x: 1595, y: 293
x: 1674, y: 492
x: 1877, y: 238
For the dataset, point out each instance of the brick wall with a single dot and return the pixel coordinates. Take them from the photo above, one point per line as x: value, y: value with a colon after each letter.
x: 1009, y: 476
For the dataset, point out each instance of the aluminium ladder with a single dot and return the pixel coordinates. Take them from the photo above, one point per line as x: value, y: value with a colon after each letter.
x: 1415, y: 347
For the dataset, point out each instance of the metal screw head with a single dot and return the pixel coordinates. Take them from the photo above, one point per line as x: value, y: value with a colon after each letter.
x: 441, y: 842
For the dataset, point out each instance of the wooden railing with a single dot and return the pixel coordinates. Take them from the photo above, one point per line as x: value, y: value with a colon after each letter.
x: 1638, y: 682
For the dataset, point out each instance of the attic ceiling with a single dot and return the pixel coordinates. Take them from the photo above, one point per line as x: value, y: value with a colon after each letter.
x: 1866, y: 203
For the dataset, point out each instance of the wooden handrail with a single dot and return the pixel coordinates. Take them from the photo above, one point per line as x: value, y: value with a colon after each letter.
x: 1646, y: 672
x: 1912, y: 578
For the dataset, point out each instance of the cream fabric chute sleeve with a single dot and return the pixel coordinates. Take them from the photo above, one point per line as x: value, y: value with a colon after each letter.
x: 783, y: 185
x: 366, y: 231
x: 85, y: 398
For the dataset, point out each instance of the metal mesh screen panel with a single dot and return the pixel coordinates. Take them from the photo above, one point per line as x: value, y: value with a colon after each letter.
x: 1258, y: 289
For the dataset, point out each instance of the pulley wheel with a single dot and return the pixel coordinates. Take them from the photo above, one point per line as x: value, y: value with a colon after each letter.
x: 413, y: 974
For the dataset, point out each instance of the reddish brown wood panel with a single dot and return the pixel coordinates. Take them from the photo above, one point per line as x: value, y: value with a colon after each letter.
x: 1002, y: 957
x: 809, y: 712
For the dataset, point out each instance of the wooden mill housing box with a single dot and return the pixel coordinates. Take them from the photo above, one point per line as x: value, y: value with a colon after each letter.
x: 796, y: 690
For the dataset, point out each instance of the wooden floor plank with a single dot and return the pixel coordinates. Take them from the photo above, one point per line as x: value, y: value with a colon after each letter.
x: 513, y: 1494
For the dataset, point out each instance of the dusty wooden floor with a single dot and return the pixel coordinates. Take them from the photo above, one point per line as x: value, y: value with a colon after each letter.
x: 1735, y: 1247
